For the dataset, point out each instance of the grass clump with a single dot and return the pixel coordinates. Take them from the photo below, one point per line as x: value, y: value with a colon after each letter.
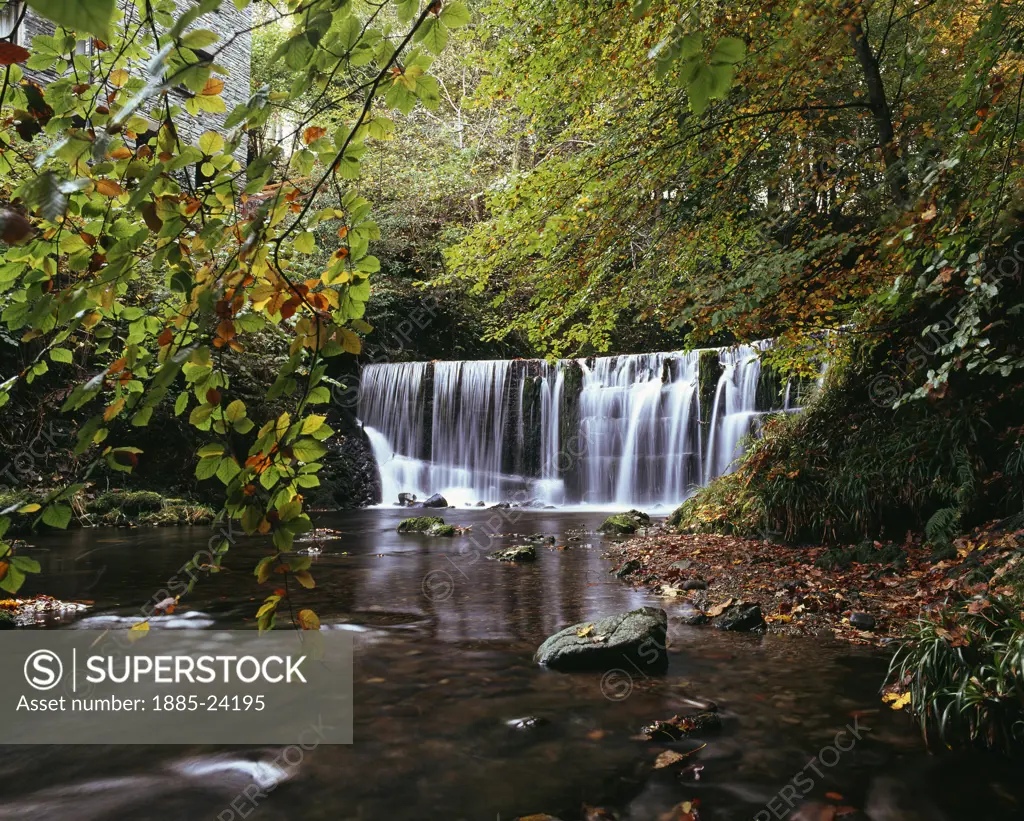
x: 960, y: 672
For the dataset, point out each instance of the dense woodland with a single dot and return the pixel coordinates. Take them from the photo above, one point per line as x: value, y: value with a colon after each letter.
x: 551, y: 179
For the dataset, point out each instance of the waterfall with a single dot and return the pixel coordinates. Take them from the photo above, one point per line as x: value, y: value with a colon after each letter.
x: 733, y: 409
x: 392, y: 404
x: 611, y: 431
x: 469, y: 420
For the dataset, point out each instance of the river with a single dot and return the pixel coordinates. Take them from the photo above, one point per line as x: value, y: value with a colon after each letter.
x: 444, y: 639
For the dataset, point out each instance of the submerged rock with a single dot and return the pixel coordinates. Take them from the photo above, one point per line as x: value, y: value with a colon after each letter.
x: 518, y: 553
x: 740, y: 617
x: 636, y: 637
x: 437, y: 500
x: 622, y: 524
x: 420, y: 524
x: 695, y: 584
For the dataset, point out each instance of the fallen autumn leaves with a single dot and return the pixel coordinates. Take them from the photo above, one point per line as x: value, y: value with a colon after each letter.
x: 798, y: 597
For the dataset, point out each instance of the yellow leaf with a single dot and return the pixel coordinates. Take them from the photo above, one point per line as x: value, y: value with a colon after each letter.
x: 585, y: 631
x: 309, y: 620
x: 122, y: 153
x: 118, y: 77
x: 305, y: 579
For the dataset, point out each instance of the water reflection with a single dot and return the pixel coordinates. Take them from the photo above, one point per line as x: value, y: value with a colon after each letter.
x: 442, y: 669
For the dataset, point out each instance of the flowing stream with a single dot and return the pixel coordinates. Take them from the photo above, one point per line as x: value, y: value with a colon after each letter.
x: 444, y: 639
x: 639, y: 429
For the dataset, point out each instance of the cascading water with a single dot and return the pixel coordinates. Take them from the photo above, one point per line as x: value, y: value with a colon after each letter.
x: 609, y: 431
x: 471, y: 406
x: 733, y: 409
x: 637, y: 428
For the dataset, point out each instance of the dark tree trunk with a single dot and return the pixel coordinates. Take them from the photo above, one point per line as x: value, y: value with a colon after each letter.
x: 895, y: 172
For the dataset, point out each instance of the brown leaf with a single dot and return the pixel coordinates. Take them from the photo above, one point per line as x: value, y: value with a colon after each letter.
x: 312, y: 134
x: 11, y: 53
x: 718, y: 609
x: 109, y: 188
x: 212, y: 87
x: 667, y: 759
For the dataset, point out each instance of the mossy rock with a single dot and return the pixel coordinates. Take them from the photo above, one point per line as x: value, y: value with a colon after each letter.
x: 622, y: 524
x: 129, y: 502
x: 442, y: 530
x: 421, y: 524
x: 518, y: 553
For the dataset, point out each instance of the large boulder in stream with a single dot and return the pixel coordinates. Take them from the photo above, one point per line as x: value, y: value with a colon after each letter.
x: 623, y: 524
x: 437, y: 500
x: 633, y: 638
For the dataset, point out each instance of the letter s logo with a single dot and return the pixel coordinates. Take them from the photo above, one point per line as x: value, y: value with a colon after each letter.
x: 43, y: 669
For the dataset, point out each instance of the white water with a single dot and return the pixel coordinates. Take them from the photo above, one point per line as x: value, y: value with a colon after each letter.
x: 638, y: 440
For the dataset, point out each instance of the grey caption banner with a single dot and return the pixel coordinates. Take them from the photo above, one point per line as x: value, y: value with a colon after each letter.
x: 176, y: 687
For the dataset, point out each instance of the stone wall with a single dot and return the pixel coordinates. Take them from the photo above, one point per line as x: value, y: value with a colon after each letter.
x: 232, y: 53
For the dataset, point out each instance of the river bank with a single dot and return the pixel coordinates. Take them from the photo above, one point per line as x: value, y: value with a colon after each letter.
x: 863, y: 594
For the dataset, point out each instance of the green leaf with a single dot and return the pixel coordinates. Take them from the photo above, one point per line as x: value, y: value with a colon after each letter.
x: 92, y: 16
x: 699, y: 89
x: 180, y: 404
x: 455, y: 15
x: 407, y: 10
x: 211, y: 449
x: 728, y: 50
x: 12, y: 580
x: 57, y: 516
x: 433, y: 35
x: 200, y: 38
x: 640, y: 8
x: 25, y: 564
x: 235, y: 410
x: 61, y: 355
x: 207, y: 467
x: 308, y: 450
x: 228, y: 470
x: 211, y: 143
x: 305, y: 243
x: 141, y: 419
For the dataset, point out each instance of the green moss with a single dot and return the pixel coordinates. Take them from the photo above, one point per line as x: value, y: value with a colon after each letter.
x: 518, y: 553
x: 420, y: 524
x: 129, y: 502
x: 624, y: 523
x: 442, y: 530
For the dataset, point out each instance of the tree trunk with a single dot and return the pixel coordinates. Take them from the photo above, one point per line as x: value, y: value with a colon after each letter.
x: 895, y: 172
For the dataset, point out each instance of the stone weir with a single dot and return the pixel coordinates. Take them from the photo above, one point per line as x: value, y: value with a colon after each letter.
x: 637, y: 429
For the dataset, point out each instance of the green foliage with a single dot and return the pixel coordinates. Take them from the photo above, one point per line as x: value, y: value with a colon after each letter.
x: 147, y: 281
x: 850, y: 467
x: 963, y: 669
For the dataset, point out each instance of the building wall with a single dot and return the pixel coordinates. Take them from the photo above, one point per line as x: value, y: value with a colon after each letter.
x: 228, y: 21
